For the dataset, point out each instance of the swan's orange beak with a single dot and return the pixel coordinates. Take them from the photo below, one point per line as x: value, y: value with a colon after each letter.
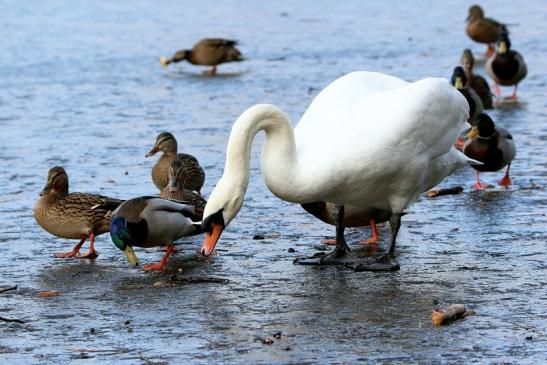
x: 211, y: 239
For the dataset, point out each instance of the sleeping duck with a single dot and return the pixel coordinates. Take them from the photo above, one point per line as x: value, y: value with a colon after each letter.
x: 353, y: 217
x: 476, y: 82
x: 73, y: 215
x: 483, y: 30
x: 491, y: 145
x: 166, y: 143
x: 149, y: 222
x: 506, y: 67
x: 207, y: 52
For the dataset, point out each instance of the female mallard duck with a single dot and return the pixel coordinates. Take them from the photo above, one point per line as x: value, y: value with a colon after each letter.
x: 74, y: 215
x: 506, y: 67
x: 175, y: 189
x: 353, y: 217
x: 476, y: 82
x: 459, y: 80
x: 481, y: 29
x: 150, y: 221
x: 491, y: 145
x: 166, y: 143
x: 350, y: 147
x: 207, y: 52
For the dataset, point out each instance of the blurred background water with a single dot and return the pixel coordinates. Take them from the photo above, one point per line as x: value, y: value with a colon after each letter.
x: 82, y: 87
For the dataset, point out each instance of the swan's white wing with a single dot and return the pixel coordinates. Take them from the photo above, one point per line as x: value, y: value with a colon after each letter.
x: 334, y: 104
x: 385, y: 136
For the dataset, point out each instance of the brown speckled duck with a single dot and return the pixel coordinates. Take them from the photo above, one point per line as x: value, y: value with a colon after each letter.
x: 476, y: 82
x: 506, y: 67
x: 166, y: 143
x: 73, y: 215
x: 353, y: 217
x: 175, y: 189
x: 481, y: 29
x: 207, y: 52
x: 491, y: 145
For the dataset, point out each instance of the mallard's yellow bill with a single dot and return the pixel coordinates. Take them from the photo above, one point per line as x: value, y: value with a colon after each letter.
x: 131, y: 257
x: 473, y: 132
x: 502, y: 47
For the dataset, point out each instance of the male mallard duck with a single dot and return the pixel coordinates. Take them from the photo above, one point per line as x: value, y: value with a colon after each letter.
x: 166, y: 143
x: 353, y: 217
x: 175, y: 189
x: 207, y: 52
x: 506, y: 67
x: 481, y: 29
x: 351, y: 147
x: 459, y: 80
x: 476, y: 82
x: 74, y: 215
x: 150, y: 221
x: 491, y: 145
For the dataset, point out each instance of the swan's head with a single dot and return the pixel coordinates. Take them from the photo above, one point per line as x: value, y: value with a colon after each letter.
x: 222, y: 206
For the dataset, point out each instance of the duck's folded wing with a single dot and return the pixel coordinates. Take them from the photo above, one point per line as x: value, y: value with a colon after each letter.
x: 105, y: 202
x: 166, y: 205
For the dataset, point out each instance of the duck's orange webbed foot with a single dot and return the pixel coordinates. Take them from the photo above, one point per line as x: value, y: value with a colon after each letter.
x: 163, y: 262
x: 72, y: 253
x: 479, y: 185
x: 91, y: 253
x: 506, y: 180
x: 328, y: 241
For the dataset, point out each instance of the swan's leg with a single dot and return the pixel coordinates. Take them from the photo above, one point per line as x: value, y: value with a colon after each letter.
x: 386, y: 262
x: 341, y: 253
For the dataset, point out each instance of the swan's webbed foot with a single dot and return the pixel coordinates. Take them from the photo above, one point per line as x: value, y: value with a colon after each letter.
x: 336, y: 257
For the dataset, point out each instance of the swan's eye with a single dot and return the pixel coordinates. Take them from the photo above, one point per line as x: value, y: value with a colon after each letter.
x: 216, y: 218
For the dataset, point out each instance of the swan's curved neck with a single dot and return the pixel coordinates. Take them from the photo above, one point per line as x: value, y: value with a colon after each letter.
x: 278, y: 160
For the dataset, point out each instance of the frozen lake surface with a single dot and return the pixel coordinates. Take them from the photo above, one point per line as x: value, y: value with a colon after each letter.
x: 82, y: 87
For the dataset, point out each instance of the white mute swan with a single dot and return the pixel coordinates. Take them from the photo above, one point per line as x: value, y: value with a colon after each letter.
x: 368, y: 140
